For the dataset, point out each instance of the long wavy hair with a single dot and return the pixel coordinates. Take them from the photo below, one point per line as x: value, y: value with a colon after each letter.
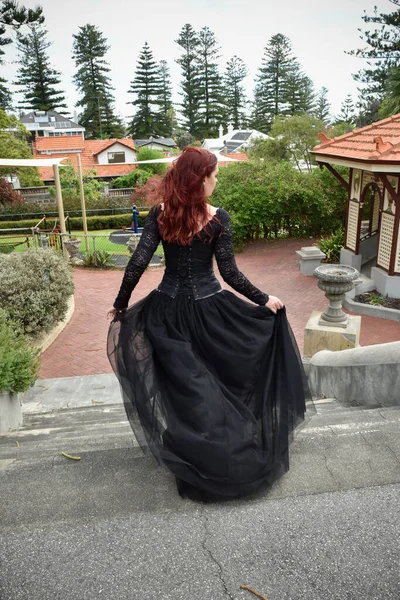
x: 181, y: 190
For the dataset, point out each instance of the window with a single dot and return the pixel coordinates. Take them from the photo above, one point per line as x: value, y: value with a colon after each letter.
x: 116, y: 157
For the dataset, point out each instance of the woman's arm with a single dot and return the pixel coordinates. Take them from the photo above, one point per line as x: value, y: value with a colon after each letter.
x: 229, y: 271
x: 139, y: 260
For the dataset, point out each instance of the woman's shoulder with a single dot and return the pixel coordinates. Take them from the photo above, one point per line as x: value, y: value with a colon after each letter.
x: 222, y: 214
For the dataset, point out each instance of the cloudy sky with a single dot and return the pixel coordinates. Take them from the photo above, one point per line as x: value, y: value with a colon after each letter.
x: 320, y: 30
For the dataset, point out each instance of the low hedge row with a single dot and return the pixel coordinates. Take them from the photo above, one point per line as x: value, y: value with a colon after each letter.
x: 93, y: 223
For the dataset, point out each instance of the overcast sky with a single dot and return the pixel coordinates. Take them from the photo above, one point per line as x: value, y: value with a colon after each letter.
x: 320, y: 31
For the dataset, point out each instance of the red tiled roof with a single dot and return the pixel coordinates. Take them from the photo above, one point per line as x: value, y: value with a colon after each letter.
x: 46, y: 173
x: 63, y: 142
x: 89, y: 151
x: 376, y: 143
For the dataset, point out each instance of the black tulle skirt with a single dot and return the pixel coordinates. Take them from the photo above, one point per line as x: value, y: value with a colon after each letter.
x: 213, y: 388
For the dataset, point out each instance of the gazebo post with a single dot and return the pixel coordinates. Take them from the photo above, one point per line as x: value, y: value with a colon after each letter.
x: 60, y: 205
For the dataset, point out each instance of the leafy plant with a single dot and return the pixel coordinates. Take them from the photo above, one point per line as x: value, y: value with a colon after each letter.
x: 149, y: 154
x: 98, y: 258
x: 35, y: 286
x: 19, y: 361
x: 70, y: 187
x: 332, y: 245
x: 8, y: 195
x: 6, y: 248
x: 376, y: 299
x: 137, y: 177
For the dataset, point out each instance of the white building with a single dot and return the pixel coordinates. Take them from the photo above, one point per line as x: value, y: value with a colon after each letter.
x: 234, y: 140
x: 50, y: 123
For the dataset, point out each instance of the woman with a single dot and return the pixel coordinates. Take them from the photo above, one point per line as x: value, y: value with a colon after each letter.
x: 212, y: 384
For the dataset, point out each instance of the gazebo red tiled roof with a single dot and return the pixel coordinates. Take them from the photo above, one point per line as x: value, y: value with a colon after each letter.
x: 376, y: 143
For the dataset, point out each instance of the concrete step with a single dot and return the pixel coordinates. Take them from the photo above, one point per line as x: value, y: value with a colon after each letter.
x: 72, y: 431
x: 78, y: 431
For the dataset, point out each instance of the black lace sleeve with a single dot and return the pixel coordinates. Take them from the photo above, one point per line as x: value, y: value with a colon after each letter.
x: 227, y: 265
x: 140, y: 259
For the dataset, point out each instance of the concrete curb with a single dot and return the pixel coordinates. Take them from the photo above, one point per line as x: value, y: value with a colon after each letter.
x: 44, y: 342
x: 369, y: 310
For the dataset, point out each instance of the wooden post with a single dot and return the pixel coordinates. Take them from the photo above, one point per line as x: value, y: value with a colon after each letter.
x: 60, y: 205
x: 83, y: 206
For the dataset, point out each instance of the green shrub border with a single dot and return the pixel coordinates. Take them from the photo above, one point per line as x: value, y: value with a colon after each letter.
x: 93, y: 223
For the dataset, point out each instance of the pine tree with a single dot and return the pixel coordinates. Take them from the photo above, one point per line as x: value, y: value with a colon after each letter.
x: 13, y: 17
x: 166, y: 118
x: 213, y: 111
x: 235, y: 97
x: 322, y: 108
x: 271, y: 91
x: 382, y: 51
x: 35, y: 75
x: 300, y: 92
x: 147, y: 87
x: 91, y: 79
x: 190, y: 107
x: 347, y: 111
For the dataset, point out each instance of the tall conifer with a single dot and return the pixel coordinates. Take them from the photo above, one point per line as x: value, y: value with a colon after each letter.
x: 35, y: 75
x: 92, y: 81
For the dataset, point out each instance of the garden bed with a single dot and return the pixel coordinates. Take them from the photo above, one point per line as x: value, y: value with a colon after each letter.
x: 375, y: 299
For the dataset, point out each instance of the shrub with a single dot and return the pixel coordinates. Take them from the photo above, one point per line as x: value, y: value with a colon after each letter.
x: 149, y: 154
x: 332, y: 245
x: 19, y: 362
x: 273, y: 199
x: 93, y: 223
x: 98, y: 258
x: 8, y: 195
x: 137, y: 177
x: 34, y: 288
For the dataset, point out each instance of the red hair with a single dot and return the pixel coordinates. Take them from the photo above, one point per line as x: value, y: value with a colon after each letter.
x: 182, y: 192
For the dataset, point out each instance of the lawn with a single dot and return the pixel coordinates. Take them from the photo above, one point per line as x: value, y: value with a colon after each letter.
x: 101, y: 242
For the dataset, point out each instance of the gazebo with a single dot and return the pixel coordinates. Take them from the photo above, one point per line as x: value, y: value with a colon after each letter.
x: 373, y: 198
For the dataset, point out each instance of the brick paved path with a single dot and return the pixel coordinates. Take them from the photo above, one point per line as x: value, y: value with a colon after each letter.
x: 271, y: 265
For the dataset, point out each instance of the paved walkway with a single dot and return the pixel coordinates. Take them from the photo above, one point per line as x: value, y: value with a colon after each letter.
x: 271, y: 265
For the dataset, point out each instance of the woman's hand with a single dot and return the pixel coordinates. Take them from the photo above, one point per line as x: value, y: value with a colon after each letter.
x: 274, y: 304
x: 113, y: 312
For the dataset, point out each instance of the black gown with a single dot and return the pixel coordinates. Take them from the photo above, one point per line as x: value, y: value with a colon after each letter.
x: 212, y: 385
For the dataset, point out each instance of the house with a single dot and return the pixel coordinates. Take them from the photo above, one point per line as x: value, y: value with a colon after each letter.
x: 372, y: 232
x: 50, y: 123
x: 234, y: 140
x: 163, y: 144
x: 109, y: 158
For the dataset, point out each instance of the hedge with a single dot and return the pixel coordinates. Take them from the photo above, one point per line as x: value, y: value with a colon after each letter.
x: 93, y: 223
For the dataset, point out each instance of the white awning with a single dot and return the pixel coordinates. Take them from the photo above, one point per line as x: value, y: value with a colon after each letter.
x: 30, y: 162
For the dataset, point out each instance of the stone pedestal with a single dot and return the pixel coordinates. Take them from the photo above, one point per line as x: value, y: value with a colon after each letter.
x: 310, y: 259
x: 324, y: 337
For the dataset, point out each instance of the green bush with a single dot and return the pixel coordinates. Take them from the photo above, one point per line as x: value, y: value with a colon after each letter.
x: 6, y: 248
x: 137, y: 177
x: 19, y: 362
x: 35, y: 286
x: 332, y: 245
x: 98, y: 258
x: 93, y: 223
x: 153, y: 168
x: 275, y: 199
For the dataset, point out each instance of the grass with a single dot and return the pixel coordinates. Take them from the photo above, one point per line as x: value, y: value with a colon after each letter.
x: 102, y: 244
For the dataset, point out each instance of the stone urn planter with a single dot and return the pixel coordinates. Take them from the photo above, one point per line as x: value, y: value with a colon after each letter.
x: 133, y: 242
x: 72, y: 247
x: 10, y: 412
x: 335, y: 281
